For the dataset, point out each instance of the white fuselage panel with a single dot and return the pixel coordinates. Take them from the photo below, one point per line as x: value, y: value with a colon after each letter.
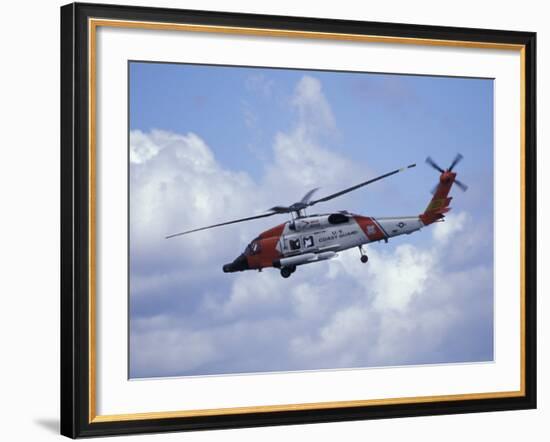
x: 316, y: 234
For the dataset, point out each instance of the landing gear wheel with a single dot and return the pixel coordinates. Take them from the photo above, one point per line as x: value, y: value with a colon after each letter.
x: 286, y: 272
x: 364, y: 258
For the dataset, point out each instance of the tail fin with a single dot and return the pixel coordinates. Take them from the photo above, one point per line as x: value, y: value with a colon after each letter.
x: 439, y: 204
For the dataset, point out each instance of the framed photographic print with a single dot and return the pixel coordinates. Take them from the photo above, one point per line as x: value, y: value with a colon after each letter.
x: 274, y: 220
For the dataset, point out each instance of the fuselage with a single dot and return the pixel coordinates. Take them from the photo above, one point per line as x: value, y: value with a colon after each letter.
x: 315, y: 238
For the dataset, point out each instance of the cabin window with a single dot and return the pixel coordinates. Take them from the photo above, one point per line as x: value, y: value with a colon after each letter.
x: 337, y: 218
x: 308, y: 241
x: 294, y: 244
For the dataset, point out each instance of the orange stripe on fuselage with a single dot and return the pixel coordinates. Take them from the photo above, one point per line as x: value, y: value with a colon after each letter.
x: 275, y: 231
x: 371, y: 229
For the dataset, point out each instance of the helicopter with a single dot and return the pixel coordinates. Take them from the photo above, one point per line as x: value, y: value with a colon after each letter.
x: 307, y: 239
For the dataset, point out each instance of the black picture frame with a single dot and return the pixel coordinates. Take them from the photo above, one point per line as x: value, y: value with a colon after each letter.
x: 75, y: 221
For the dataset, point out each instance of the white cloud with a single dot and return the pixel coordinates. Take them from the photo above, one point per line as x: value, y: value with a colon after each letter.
x: 338, y: 341
x: 400, y: 276
x: 252, y: 293
x: 181, y: 187
x: 313, y: 107
x: 444, y: 231
x: 142, y: 148
x: 166, y: 351
x: 306, y: 302
x: 301, y: 161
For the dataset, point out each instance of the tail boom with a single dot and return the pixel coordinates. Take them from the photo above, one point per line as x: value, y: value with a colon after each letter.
x: 440, y: 202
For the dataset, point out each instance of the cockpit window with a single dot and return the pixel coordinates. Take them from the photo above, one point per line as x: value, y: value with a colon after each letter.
x: 253, y: 248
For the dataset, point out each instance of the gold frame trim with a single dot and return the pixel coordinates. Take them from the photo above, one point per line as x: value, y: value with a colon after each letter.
x: 93, y: 24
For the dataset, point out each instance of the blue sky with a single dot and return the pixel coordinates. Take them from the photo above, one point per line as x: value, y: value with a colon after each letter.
x: 213, y: 143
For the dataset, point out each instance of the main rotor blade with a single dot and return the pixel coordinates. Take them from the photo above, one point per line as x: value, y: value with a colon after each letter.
x: 308, y: 195
x: 264, y: 215
x: 434, y: 164
x: 457, y: 160
x: 357, y: 186
x: 280, y: 209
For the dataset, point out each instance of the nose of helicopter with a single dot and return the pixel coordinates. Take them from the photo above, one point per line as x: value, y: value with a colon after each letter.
x: 238, y: 265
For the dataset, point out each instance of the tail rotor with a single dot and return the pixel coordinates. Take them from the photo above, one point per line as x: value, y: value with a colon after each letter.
x: 457, y: 160
x: 448, y: 174
x: 461, y: 185
x: 434, y: 165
